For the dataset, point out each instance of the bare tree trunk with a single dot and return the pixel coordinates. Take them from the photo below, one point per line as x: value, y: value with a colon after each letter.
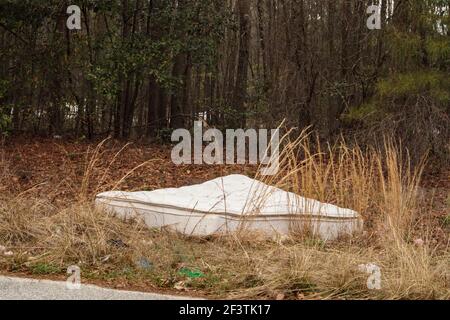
x: 176, y: 104
x: 240, y: 91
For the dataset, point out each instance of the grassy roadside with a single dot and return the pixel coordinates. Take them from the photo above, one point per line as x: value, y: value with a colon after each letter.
x: 45, y: 241
x: 43, y: 238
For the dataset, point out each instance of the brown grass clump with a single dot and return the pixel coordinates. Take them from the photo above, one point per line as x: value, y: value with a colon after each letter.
x: 38, y: 232
x: 44, y: 238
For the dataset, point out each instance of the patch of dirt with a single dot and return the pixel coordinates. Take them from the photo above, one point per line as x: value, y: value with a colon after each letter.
x: 55, y: 169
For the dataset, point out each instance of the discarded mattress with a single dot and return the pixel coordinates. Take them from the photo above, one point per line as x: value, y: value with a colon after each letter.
x: 231, y: 204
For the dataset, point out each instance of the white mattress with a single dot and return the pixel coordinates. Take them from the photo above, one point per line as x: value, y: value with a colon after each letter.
x: 230, y: 204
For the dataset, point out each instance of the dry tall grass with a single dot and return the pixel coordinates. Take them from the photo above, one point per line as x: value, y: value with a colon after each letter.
x: 379, y: 184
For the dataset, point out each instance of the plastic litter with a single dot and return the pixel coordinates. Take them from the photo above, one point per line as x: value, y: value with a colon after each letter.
x: 192, y: 274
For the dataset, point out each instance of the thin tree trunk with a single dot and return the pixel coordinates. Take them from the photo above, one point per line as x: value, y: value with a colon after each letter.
x: 240, y: 91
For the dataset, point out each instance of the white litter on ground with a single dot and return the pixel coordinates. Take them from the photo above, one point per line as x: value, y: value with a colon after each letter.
x: 231, y: 204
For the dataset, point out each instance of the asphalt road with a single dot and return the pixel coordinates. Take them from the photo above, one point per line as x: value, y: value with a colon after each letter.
x: 12, y: 288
